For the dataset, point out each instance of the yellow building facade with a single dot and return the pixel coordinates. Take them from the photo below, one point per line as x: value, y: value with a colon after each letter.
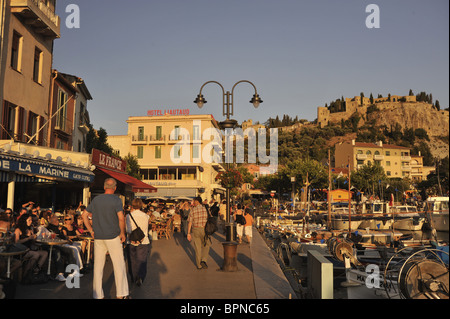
x: 395, y: 160
x: 174, y: 152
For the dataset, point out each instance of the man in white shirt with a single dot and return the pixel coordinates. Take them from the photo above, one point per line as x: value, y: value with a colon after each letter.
x: 157, y: 212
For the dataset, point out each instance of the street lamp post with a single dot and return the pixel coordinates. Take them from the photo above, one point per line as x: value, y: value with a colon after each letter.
x: 228, y: 110
x: 293, y: 193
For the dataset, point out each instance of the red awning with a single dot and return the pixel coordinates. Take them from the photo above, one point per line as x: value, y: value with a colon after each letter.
x: 137, y: 185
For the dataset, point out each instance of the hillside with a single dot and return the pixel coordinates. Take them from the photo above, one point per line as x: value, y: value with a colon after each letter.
x: 417, y: 125
x: 411, y: 115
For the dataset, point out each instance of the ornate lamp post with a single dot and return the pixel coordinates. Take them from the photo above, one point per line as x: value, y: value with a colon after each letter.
x: 228, y: 110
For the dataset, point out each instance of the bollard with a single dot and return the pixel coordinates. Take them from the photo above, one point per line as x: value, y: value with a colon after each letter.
x: 231, y: 234
x: 229, y: 256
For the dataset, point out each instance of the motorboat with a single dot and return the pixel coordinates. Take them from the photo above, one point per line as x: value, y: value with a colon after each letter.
x: 407, y: 218
x: 436, y: 208
x: 375, y: 216
x: 340, y: 219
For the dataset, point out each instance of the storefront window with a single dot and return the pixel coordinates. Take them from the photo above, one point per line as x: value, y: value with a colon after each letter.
x: 187, y: 174
x: 167, y: 174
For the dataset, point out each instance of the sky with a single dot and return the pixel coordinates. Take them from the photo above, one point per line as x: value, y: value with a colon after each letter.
x: 141, y: 55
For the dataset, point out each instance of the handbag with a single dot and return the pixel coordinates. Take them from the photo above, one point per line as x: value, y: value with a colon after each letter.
x: 137, y: 235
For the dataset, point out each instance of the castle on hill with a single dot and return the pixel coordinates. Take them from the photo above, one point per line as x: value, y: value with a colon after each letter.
x: 359, y: 104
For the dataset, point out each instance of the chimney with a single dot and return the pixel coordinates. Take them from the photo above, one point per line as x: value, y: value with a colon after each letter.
x: 380, y: 143
x: 353, y: 142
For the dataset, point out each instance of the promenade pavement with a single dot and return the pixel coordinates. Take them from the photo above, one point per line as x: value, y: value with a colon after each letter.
x: 172, y: 274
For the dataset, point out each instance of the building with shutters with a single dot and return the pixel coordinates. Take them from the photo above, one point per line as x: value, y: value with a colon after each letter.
x: 174, y: 153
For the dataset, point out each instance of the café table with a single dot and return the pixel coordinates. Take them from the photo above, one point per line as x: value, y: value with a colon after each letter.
x: 88, y: 237
x: 8, y: 254
x: 51, y: 242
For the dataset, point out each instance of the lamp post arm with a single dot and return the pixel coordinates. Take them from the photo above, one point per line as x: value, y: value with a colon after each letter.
x: 225, y: 97
x: 201, y: 89
x: 232, y: 93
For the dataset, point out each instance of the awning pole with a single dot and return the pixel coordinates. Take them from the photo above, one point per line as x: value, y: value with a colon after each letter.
x: 11, y: 191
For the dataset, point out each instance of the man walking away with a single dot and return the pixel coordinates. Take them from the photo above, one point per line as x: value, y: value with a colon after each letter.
x: 196, y: 233
x: 248, y: 227
x: 108, y: 230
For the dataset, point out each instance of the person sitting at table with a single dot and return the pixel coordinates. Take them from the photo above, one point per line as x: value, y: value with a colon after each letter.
x: 34, y: 259
x: 70, y: 250
x: 45, y: 215
x: 157, y: 212
x: 12, y: 220
x: 5, y: 237
x: 64, y: 253
x: 79, y: 223
x: 71, y: 234
x: 35, y: 217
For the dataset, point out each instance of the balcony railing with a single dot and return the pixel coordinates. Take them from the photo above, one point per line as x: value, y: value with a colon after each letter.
x: 361, y: 156
x: 139, y: 139
x: 83, y: 123
x: 157, y: 138
x: 179, y: 137
x: 406, y: 158
x: 406, y: 168
x: 38, y: 15
x: 378, y: 157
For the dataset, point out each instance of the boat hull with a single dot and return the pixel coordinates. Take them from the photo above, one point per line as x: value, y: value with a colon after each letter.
x: 342, y: 224
x: 440, y: 221
x: 412, y: 224
x: 376, y: 224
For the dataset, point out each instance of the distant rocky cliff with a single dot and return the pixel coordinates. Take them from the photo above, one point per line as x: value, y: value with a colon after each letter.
x: 412, y: 115
x: 389, y: 114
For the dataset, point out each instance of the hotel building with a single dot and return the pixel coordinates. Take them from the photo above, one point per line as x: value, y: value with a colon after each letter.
x: 174, y: 153
x: 396, y: 161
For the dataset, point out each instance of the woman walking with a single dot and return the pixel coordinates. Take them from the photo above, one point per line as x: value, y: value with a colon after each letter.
x: 138, y: 251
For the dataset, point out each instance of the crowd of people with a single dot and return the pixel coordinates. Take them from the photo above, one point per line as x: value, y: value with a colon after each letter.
x: 23, y: 230
x: 110, y: 224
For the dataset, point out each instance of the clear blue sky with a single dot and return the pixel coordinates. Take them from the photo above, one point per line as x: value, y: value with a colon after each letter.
x: 141, y: 55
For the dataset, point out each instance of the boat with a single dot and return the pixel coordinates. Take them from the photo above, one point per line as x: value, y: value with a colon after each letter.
x: 340, y: 219
x: 375, y: 216
x: 407, y: 218
x: 436, y: 208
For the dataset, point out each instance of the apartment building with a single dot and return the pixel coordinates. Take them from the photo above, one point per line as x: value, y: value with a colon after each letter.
x: 396, y: 160
x: 81, y: 115
x: 38, y: 130
x: 28, y: 29
x: 175, y: 153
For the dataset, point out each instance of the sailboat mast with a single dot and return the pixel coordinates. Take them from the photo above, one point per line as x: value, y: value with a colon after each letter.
x: 349, y: 199
x: 329, y: 190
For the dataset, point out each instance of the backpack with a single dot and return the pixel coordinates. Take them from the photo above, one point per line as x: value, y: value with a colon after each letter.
x: 211, y: 225
x: 240, y: 219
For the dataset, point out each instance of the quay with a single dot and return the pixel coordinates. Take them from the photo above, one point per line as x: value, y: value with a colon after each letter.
x: 172, y: 275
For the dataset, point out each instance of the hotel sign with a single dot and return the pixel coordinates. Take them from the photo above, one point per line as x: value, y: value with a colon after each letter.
x: 168, y: 112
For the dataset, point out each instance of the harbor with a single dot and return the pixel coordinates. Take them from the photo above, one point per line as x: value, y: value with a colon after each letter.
x: 360, y: 261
